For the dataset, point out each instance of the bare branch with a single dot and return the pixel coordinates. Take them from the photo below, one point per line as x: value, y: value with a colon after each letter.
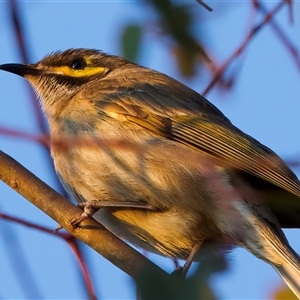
x: 149, y: 277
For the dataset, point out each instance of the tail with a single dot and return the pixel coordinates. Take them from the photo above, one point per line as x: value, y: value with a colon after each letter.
x: 289, y: 270
x: 276, y: 250
x: 265, y: 239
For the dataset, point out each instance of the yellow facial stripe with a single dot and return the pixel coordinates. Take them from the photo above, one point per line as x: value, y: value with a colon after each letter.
x: 87, y: 71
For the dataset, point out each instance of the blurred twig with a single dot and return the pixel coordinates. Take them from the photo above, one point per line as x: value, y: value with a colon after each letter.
x: 175, y: 21
x: 68, y: 238
x: 22, y: 46
x: 13, y: 251
x: 219, y: 72
x: 40, y: 139
x: 293, y: 162
x: 21, y: 40
x: 204, y: 5
x: 281, y: 35
x: 154, y: 281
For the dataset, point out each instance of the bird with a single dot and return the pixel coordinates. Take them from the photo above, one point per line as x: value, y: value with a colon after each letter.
x: 159, y: 165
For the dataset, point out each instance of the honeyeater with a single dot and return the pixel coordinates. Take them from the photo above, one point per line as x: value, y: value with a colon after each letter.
x: 159, y: 165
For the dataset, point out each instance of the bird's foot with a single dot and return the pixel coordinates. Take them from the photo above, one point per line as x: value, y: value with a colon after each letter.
x: 92, y: 206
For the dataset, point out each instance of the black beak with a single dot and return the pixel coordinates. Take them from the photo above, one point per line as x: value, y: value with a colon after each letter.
x: 21, y: 70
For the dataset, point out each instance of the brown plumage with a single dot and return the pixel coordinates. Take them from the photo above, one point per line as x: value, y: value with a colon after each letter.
x: 166, y: 168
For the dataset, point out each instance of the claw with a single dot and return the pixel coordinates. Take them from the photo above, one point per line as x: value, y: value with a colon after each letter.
x: 75, y: 223
x: 89, y: 208
x: 92, y: 206
x: 58, y: 228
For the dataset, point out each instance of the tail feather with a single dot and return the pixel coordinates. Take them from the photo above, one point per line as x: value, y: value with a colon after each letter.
x: 277, y: 251
x: 289, y: 270
x: 265, y: 239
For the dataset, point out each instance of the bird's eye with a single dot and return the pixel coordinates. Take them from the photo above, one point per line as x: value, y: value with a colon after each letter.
x: 78, y: 64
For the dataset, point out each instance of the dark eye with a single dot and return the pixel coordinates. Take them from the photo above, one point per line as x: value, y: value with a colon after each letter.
x: 78, y: 64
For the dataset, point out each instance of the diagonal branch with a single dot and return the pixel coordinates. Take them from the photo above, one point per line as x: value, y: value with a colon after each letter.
x: 149, y: 277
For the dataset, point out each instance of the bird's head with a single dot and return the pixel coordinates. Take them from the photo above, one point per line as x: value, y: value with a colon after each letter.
x: 59, y: 76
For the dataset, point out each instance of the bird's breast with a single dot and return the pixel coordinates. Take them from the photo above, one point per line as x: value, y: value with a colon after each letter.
x: 175, y: 180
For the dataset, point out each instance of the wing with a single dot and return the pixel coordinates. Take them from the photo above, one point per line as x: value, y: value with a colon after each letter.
x: 198, y: 124
x: 234, y: 147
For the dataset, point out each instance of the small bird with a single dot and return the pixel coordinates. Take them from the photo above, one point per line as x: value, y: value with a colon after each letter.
x: 159, y: 165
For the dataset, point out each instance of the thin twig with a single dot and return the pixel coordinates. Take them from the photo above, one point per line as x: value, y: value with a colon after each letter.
x: 282, y: 36
x: 68, y: 238
x: 268, y: 17
x: 204, y: 5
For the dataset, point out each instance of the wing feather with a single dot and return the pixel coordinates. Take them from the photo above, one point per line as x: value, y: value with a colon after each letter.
x: 235, y: 148
x: 201, y: 125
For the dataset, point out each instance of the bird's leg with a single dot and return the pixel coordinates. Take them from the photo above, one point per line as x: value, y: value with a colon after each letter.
x: 92, y: 206
x: 191, y: 257
x: 182, y: 271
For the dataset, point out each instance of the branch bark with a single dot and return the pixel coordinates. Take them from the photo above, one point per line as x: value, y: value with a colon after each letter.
x: 153, y: 282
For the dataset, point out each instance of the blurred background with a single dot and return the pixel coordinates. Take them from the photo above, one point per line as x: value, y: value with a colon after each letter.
x: 244, y: 56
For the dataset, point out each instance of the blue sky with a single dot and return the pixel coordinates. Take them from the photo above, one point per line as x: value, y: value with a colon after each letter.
x: 264, y: 103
